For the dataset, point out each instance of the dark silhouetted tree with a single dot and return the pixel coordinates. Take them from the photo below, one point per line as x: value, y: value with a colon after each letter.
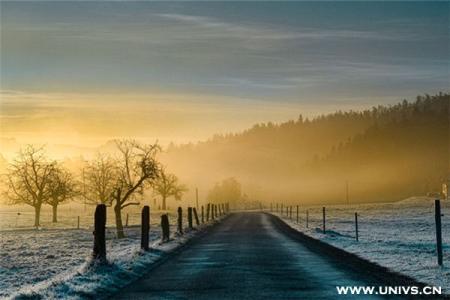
x: 137, y: 166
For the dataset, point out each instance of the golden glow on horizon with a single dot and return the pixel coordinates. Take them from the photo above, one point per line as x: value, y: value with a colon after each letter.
x: 90, y: 119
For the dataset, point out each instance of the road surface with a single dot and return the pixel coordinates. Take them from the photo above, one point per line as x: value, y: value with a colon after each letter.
x: 246, y: 257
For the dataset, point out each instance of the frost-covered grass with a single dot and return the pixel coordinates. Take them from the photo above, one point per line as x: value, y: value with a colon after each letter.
x: 400, y: 236
x: 56, y: 263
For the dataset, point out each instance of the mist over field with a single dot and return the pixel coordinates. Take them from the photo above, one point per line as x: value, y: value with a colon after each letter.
x: 382, y: 154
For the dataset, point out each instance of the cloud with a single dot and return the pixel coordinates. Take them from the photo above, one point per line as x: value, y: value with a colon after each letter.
x: 271, y: 32
x: 171, y: 28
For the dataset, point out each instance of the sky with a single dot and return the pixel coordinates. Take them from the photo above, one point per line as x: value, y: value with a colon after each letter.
x: 85, y: 72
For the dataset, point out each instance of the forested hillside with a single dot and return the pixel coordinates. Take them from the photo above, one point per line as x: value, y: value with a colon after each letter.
x: 385, y: 153
x: 404, y: 153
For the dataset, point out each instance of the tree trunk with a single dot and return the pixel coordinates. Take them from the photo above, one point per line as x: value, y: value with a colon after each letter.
x: 119, y: 225
x: 164, y: 203
x: 37, y: 215
x: 55, y: 213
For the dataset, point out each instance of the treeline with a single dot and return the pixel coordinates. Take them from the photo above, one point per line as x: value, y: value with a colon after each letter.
x: 404, y: 153
x: 384, y: 153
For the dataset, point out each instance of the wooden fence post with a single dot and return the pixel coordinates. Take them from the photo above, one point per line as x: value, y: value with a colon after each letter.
x: 290, y: 213
x: 145, y: 227
x: 208, y: 208
x: 356, y: 227
x: 78, y: 222
x: 281, y: 209
x: 203, y: 214
x: 437, y: 215
x: 271, y: 207
x: 165, y: 228
x: 180, y: 220
x: 220, y: 210
x: 99, y: 251
x: 287, y: 211
x: 196, y: 217
x: 307, y: 218
x: 196, y: 198
x: 190, y: 217
x: 212, y: 211
x: 276, y: 208
x: 297, y: 215
x: 323, y: 219
x: 126, y: 221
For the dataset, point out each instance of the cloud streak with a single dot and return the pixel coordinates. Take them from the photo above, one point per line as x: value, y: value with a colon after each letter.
x: 221, y: 29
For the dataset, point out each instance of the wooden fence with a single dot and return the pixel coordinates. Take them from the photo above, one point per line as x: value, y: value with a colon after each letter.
x: 99, y: 251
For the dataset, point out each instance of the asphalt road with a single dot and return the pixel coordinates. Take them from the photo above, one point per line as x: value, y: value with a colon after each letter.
x: 247, y: 257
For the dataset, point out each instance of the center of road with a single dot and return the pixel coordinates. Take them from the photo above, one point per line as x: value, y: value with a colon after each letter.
x: 247, y: 257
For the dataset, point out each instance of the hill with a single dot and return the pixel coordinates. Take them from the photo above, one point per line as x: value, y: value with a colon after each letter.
x: 385, y: 153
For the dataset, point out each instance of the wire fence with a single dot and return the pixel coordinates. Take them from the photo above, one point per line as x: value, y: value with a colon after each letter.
x: 22, y: 218
x: 385, y: 230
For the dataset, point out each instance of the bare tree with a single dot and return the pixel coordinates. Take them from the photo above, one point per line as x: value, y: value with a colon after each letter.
x: 62, y: 188
x: 28, y: 179
x: 99, y: 178
x: 167, y: 185
x: 137, y: 166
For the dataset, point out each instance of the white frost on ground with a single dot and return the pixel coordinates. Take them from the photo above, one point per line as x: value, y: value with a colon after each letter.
x: 400, y: 236
x: 56, y: 263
